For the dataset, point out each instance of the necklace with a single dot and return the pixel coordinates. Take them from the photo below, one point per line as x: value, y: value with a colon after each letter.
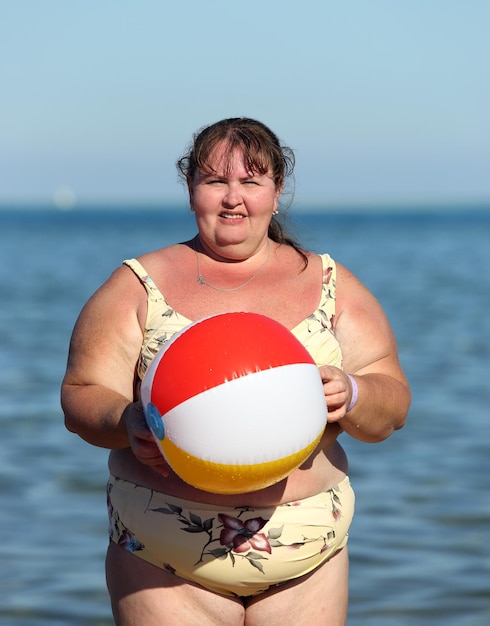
x: 201, y: 280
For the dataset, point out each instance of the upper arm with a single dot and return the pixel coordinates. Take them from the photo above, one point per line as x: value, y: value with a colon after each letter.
x: 363, y: 330
x: 107, y: 337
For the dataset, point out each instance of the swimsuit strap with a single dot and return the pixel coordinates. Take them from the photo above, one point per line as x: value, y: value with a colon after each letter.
x: 329, y: 273
x: 329, y: 280
x: 153, y: 292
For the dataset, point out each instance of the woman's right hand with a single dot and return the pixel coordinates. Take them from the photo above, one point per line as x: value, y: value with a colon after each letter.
x: 141, y: 439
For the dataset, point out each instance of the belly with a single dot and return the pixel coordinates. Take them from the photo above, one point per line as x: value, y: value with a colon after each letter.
x: 325, y: 468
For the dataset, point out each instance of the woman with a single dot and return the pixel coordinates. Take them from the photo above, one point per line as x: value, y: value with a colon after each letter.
x: 179, y: 555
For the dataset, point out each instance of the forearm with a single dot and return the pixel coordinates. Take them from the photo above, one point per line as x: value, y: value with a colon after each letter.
x: 96, y: 414
x: 381, y: 408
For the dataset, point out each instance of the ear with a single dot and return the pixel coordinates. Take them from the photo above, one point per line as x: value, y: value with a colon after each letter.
x: 279, y: 188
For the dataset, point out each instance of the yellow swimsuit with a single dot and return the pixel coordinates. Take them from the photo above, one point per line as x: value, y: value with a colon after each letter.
x: 238, y: 551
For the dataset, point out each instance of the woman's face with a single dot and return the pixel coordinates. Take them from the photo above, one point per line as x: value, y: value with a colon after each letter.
x: 233, y: 206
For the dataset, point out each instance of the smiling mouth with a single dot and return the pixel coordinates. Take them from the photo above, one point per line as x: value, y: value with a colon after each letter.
x: 232, y: 216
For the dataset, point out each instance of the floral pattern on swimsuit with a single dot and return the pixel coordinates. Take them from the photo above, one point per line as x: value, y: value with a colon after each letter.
x: 226, y: 536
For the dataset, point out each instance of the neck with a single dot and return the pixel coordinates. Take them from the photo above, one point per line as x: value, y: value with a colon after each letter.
x: 200, y: 279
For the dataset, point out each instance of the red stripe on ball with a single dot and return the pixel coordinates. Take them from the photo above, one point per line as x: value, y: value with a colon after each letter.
x: 221, y: 348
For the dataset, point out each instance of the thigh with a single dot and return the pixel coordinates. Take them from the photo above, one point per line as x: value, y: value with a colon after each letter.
x: 142, y: 593
x: 318, y: 599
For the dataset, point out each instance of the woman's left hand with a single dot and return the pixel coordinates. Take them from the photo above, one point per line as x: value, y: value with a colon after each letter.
x: 338, y: 391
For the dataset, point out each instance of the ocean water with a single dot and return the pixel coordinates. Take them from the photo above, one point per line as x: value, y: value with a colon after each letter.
x: 419, y: 544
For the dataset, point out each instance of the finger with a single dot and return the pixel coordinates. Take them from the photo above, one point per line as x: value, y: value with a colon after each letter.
x: 143, y: 433
x: 145, y: 451
x: 139, y: 428
x: 162, y: 468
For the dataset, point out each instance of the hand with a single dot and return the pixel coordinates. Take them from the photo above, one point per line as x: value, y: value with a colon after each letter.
x: 141, y: 439
x: 338, y: 391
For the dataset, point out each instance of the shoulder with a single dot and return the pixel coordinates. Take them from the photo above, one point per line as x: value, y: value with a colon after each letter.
x: 171, y: 251
x: 362, y: 328
x: 350, y: 290
x: 355, y: 302
x: 154, y: 260
x: 120, y: 296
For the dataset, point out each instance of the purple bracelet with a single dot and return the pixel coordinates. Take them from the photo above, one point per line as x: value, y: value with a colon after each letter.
x: 355, y: 392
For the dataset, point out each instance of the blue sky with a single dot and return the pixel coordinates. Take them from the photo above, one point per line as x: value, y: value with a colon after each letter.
x: 383, y: 101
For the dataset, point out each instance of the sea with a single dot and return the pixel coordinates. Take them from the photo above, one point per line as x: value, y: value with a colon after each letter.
x: 420, y: 540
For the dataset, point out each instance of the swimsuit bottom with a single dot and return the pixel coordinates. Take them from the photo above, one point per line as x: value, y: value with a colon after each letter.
x: 237, y: 551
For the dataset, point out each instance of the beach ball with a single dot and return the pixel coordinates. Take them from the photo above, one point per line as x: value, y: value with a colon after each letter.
x: 235, y: 403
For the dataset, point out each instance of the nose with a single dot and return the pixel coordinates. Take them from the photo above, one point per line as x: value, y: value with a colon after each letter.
x: 232, y: 196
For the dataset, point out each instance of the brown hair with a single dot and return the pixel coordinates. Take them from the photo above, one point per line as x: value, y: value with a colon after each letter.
x: 262, y: 153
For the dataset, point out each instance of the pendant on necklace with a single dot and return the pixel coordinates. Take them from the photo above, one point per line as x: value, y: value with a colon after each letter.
x: 202, y: 281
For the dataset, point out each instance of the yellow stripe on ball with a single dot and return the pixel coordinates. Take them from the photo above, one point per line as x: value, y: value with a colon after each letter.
x: 232, y: 479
